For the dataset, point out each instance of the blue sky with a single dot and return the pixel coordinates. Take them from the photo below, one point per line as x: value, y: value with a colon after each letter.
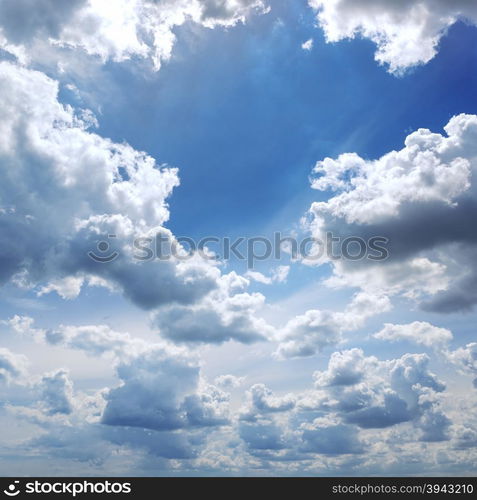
x: 178, y: 368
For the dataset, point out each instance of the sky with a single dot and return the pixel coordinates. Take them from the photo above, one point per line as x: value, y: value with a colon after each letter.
x: 238, y: 120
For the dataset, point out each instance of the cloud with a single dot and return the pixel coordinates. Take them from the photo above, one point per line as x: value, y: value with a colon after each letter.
x: 308, y: 45
x: 328, y: 439
x: 161, y: 406
x: 262, y: 401
x: 378, y: 394
x: 229, y: 381
x: 422, y: 201
x: 160, y: 391
x: 95, y: 340
x: 12, y: 366
x: 278, y: 275
x: 356, y: 405
x: 141, y: 29
x: 94, y: 188
x: 225, y: 314
x: 315, y: 330
x: 345, y: 368
x: 418, y: 332
x: 466, y: 359
x: 161, y: 386
x: 56, y: 392
x: 102, y: 195
x: 406, y: 33
x: 261, y: 436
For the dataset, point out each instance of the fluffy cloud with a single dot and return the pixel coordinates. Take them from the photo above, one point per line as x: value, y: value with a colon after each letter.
x: 227, y: 313
x: 56, y: 392
x: 378, y: 394
x: 406, y: 32
x: 345, y: 368
x: 12, y: 366
x: 229, y: 381
x: 161, y: 387
x: 95, y: 190
x: 357, y: 403
x: 423, y: 200
x: 418, y: 332
x: 262, y: 401
x: 331, y: 439
x: 133, y: 28
x: 466, y: 359
x: 160, y: 391
x: 66, y: 188
x: 161, y: 406
x: 315, y: 330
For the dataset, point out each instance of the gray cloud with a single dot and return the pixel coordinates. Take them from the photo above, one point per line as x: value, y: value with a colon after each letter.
x: 423, y: 200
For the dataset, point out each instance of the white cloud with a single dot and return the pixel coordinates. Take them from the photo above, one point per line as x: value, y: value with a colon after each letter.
x: 308, y: 45
x: 375, y: 394
x: 66, y: 188
x: 419, y: 332
x: 345, y: 368
x: 406, y: 32
x: 12, y: 366
x: 373, y: 191
x: 327, y: 438
x: 57, y: 392
x: 160, y: 391
x: 466, y: 359
x: 67, y: 288
x: 262, y: 401
x: 225, y: 314
x: 315, y: 330
x: 278, y: 275
x: 360, y: 405
x: 421, y: 201
x: 229, y: 381
x: 132, y: 29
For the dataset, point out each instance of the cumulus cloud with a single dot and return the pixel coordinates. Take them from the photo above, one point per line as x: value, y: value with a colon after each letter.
x: 378, y: 394
x: 406, y: 32
x: 262, y: 401
x: 102, y: 195
x: 327, y: 438
x: 132, y: 29
x: 65, y: 189
x: 148, y: 372
x: 161, y: 406
x: 422, y: 201
x: 227, y: 313
x: 12, y: 366
x: 56, y: 392
x: 315, y: 330
x: 345, y: 368
x: 160, y: 391
x: 466, y: 359
x: 357, y: 401
x: 229, y: 381
x: 419, y: 332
